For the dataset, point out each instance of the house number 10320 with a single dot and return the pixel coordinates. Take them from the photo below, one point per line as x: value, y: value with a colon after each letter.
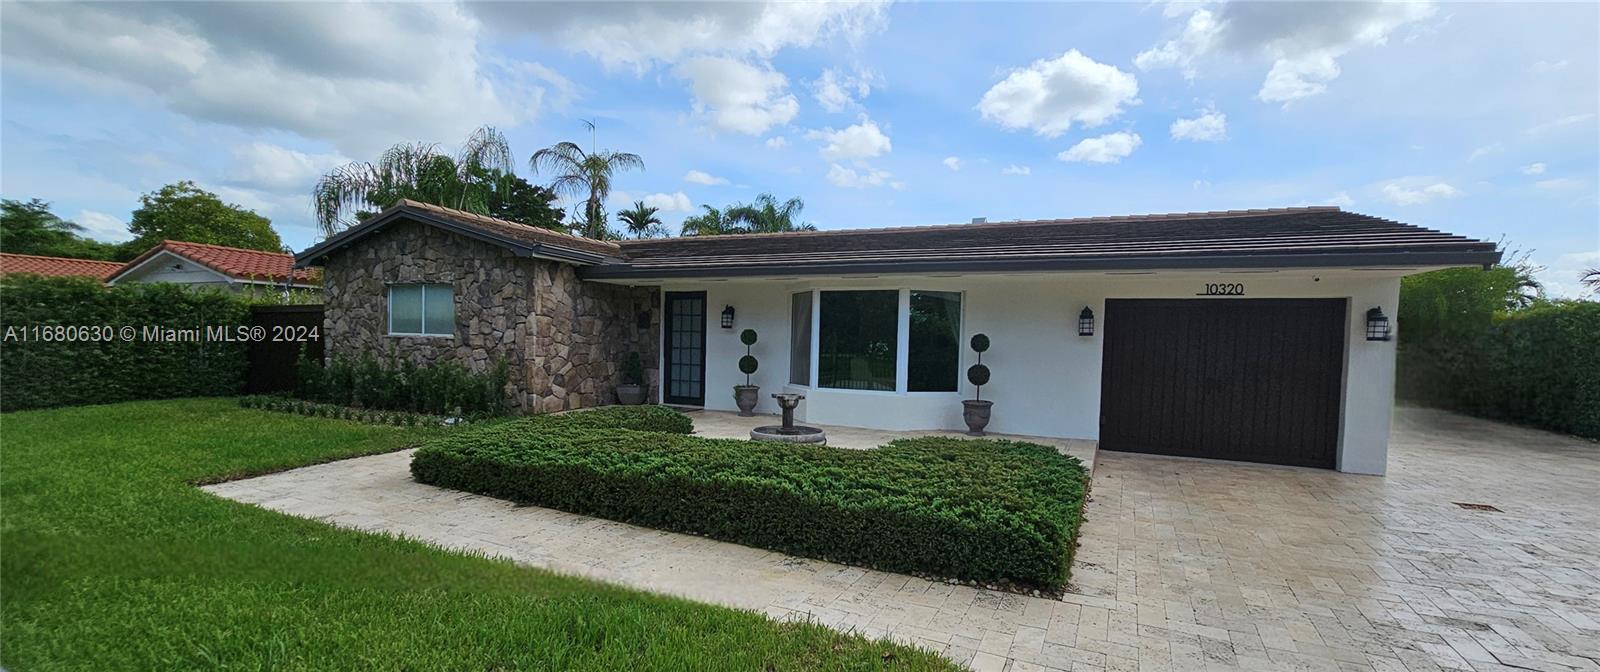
x: 1223, y: 289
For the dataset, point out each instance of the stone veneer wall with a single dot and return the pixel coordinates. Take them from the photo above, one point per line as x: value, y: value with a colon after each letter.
x: 564, y: 339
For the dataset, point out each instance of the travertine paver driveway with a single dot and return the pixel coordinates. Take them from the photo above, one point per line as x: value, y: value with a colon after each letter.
x: 1184, y: 564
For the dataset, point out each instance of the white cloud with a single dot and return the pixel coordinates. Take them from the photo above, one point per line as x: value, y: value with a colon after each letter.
x: 1559, y: 123
x: 1015, y: 169
x: 1533, y: 169
x: 1341, y: 199
x: 841, y: 176
x: 1201, y: 185
x: 952, y: 162
x: 639, y: 35
x: 274, y: 168
x: 836, y: 92
x: 1049, y: 96
x: 101, y: 226
x: 1542, y: 67
x: 1486, y: 150
x: 1304, y: 40
x: 299, y: 68
x: 1561, y: 279
x: 702, y: 177
x: 1109, y: 148
x: 1211, y: 126
x: 777, y: 142
x: 1417, y: 190
x: 739, y: 97
x: 861, y: 141
x: 1560, y: 184
x: 673, y: 202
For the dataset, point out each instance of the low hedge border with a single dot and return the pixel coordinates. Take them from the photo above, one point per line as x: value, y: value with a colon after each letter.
x: 317, y: 410
x: 989, y: 511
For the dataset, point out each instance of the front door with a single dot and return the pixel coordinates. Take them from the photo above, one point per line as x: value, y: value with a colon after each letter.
x: 685, y: 348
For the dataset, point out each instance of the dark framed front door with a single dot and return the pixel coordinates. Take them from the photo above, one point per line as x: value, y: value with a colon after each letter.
x: 684, y: 348
x: 1256, y: 380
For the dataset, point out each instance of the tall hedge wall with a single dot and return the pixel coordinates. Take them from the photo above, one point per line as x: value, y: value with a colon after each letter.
x: 102, y: 366
x: 1539, y: 366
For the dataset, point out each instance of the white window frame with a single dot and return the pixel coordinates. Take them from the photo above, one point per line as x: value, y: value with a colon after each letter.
x: 389, y: 309
x: 902, y: 363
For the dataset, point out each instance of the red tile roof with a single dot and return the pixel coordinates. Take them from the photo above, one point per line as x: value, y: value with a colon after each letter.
x: 28, y: 263
x: 234, y: 262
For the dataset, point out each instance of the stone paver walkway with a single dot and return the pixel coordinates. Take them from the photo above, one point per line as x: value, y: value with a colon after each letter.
x: 1184, y: 564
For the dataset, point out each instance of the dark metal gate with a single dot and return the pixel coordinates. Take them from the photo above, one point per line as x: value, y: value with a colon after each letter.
x: 272, y: 357
x: 1257, y: 380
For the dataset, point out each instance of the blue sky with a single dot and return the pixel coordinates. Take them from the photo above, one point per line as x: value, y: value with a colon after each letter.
x: 1479, y: 119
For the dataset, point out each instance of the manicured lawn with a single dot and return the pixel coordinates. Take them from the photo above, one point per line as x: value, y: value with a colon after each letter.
x: 111, y: 559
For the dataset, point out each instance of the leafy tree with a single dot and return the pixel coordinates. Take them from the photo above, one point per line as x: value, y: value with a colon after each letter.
x: 470, y: 180
x: 518, y: 200
x: 765, y: 215
x: 712, y: 222
x: 184, y: 211
x: 30, y: 228
x: 588, y: 175
x: 642, y: 221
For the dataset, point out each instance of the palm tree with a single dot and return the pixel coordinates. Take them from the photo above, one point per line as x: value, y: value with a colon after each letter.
x: 419, y: 172
x: 577, y: 173
x: 766, y: 216
x: 641, y: 220
x: 712, y: 222
x: 1591, y: 278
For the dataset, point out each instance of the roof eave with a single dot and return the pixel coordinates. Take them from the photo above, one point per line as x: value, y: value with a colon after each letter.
x: 1485, y: 258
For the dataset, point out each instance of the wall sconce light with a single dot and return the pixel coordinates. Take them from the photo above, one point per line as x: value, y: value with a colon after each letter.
x: 1377, y: 325
x: 727, y: 317
x: 1086, y: 322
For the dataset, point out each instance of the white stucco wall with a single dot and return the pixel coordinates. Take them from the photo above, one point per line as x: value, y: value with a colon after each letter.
x: 1046, y: 378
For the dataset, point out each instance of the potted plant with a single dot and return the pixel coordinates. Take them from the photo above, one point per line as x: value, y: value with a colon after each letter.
x: 746, y: 395
x: 631, y: 391
x: 976, y: 411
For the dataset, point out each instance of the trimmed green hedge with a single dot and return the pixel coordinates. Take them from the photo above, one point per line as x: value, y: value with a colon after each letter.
x: 96, y: 364
x: 985, y: 510
x: 1539, y: 366
x: 281, y: 404
x: 445, y: 388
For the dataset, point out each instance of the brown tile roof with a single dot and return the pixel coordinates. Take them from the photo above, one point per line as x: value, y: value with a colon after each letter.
x: 524, y: 232
x: 236, y: 263
x: 28, y: 263
x: 1316, y: 236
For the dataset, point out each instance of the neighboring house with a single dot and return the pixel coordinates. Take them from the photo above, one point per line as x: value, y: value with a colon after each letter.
x: 28, y: 263
x: 226, y: 268
x: 1249, y: 335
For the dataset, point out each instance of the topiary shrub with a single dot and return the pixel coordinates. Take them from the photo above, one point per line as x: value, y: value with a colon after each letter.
x: 978, y: 374
x: 748, y: 364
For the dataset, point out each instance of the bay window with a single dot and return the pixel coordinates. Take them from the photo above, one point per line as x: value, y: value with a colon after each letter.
x: 859, y: 336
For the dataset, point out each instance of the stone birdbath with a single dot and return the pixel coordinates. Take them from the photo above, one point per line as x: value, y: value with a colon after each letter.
x: 788, y: 432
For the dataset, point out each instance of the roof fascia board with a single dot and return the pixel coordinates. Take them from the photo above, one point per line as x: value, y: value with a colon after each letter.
x: 132, y: 270
x: 518, y: 247
x: 1442, y: 259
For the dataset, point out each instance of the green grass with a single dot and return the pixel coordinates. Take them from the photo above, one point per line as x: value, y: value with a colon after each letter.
x: 113, y: 560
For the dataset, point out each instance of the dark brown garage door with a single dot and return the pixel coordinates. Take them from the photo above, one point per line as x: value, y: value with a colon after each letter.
x: 1257, y: 380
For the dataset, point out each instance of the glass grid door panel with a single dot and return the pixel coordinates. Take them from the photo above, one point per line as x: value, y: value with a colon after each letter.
x: 686, y: 344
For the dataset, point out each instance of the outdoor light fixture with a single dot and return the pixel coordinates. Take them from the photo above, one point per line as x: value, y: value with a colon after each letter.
x: 727, y: 317
x: 1086, y: 322
x: 1377, y: 325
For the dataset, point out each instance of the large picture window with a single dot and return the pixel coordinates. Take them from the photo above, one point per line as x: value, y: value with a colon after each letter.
x: 800, y: 339
x: 422, y: 310
x: 857, y: 340
x: 935, y: 349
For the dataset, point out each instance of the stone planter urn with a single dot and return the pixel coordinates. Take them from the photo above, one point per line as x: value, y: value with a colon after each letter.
x: 746, y: 397
x: 976, y: 415
x: 630, y: 395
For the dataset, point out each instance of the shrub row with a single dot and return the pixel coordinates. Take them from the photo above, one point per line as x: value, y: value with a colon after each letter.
x: 320, y: 410
x: 986, y: 510
x: 65, y: 342
x: 1539, y: 366
x: 446, y: 388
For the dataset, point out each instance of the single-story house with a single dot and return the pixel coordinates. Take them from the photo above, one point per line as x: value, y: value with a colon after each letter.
x: 1258, y: 335
x: 230, y: 269
x: 57, y: 266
